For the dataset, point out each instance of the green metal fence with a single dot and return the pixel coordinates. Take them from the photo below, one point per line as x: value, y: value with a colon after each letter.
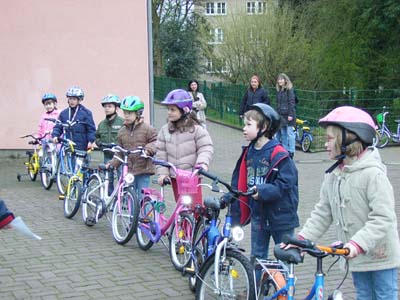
x: 223, y: 101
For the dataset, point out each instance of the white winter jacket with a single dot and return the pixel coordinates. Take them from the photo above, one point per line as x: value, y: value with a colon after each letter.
x: 359, y: 201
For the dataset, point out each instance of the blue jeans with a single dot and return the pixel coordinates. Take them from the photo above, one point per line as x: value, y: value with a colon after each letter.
x: 376, y: 285
x: 287, y: 137
x: 141, y: 181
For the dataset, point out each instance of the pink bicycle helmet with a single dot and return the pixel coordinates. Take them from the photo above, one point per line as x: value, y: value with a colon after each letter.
x: 180, y: 98
x: 352, y: 119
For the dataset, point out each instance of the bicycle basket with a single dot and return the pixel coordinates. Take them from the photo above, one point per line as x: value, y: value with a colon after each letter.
x: 379, y: 118
x: 186, y: 182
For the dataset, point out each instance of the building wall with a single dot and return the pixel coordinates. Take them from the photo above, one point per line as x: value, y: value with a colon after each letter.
x: 48, y: 46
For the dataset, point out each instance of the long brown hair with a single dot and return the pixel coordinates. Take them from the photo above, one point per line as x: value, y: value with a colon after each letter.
x: 186, y: 123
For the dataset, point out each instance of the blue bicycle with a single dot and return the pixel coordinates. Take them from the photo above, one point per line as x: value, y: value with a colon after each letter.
x: 219, y: 269
x: 278, y: 282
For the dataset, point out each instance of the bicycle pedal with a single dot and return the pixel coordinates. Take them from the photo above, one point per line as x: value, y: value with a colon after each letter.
x: 188, y: 271
x: 61, y: 197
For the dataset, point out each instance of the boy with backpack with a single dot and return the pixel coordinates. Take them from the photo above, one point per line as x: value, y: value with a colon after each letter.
x: 266, y: 167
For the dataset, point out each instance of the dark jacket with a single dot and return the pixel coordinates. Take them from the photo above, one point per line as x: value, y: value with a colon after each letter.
x: 81, y: 133
x: 252, y: 97
x: 286, y: 106
x: 6, y: 216
x: 107, y: 132
x: 278, y: 196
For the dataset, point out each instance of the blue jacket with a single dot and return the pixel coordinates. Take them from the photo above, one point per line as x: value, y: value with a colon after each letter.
x: 252, y: 97
x: 81, y: 133
x: 278, y: 196
x: 6, y: 216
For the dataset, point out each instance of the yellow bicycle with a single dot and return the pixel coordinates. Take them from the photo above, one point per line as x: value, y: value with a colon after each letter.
x: 34, y: 158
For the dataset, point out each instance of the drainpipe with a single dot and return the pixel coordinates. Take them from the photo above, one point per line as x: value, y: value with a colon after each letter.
x: 150, y: 58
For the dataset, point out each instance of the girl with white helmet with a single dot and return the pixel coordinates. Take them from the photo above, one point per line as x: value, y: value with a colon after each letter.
x: 357, y: 198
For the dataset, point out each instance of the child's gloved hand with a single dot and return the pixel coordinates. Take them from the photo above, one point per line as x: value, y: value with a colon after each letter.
x: 354, y: 249
x: 162, y: 179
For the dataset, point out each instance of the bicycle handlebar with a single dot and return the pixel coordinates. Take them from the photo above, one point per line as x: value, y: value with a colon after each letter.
x: 69, y: 124
x: 313, y: 249
x: 36, y: 140
x: 216, y: 180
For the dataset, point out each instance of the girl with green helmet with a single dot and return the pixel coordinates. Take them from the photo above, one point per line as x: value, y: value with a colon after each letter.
x: 136, y: 133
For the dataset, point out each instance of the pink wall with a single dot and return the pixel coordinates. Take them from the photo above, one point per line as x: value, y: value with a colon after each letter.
x: 48, y: 46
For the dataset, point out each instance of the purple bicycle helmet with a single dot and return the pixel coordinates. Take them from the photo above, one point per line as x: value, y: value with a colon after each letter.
x: 180, y: 98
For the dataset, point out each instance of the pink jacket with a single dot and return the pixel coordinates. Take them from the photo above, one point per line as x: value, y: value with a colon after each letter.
x: 46, y: 127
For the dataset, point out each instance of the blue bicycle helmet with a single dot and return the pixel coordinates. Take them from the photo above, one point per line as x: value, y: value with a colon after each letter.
x: 76, y: 92
x: 49, y: 96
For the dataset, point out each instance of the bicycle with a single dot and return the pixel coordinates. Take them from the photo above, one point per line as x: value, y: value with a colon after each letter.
x: 64, y: 168
x: 226, y: 272
x: 303, y: 135
x: 278, y: 281
x: 34, y: 157
x: 384, y: 133
x: 48, y: 170
x: 122, y: 201
x: 72, y: 198
x: 153, y: 224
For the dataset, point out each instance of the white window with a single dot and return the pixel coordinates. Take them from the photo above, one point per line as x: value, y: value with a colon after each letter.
x: 210, y: 68
x: 256, y: 7
x: 217, y: 36
x: 215, y: 8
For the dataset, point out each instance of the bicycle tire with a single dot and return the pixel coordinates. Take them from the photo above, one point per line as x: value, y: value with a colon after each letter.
x: 236, y: 272
x: 94, y: 192
x: 384, y: 138
x: 46, y: 172
x: 32, y: 169
x: 124, y: 221
x: 146, y: 211
x: 268, y: 286
x: 180, y: 246
x: 72, y: 199
x: 63, y: 171
x: 306, y: 143
x: 200, y: 250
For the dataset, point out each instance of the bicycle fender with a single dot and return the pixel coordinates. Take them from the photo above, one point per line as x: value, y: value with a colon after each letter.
x: 229, y: 247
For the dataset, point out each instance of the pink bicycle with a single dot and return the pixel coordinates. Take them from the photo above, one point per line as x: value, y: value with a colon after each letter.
x: 179, y: 227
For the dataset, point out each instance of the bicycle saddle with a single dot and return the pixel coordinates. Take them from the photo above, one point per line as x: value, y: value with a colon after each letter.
x: 291, y: 256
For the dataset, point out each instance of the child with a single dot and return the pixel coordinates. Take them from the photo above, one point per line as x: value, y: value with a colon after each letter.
x: 266, y: 167
x: 182, y: 141
x: 6, y: 216
x: 199, y: 103
x: 84, y: 132
x: 107, y: 130
x: 49, y: 102
x: 135, y: 133
x: 358, y: 199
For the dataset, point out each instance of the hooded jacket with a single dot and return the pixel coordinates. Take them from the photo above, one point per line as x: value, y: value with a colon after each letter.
x: 358, y: 200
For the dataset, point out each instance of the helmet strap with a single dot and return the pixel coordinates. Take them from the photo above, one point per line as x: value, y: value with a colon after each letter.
x: 111, y: 116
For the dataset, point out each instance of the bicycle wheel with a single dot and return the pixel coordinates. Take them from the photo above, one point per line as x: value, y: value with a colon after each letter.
x: 46, y: 170
x: 63, y: 174
x: 306, y: 143
x: 92, y: 199
x: 125, y: 217
x: 32, y: 166
x: 235, y: 278
x: 383, y: 139
x: 146, y: 216
x: 200, y: 251
x: 180, y: 241
x: 72, y: 199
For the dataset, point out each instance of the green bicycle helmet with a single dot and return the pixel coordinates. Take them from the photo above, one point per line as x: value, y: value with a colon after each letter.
x: 132, y: 103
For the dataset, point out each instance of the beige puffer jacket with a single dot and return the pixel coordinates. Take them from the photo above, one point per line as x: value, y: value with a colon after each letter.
x: 359, y: 202
x: 184, y: 149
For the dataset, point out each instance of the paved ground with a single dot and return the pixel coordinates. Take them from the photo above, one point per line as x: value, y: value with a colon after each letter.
x: 77, y: 262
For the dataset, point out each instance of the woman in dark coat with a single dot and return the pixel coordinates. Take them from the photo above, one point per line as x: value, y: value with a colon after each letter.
x: 254, y: 94
x: 286, y: 107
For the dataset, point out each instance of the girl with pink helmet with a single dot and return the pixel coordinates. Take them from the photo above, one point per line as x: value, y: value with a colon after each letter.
x: 357, y: 198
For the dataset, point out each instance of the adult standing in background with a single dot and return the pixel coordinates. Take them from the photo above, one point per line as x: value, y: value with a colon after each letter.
x: 254, y: 94
x: 286, y: 107
x: 199, y: 103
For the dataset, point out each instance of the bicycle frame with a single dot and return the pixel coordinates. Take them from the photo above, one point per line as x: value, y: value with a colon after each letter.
x: 33, y: 163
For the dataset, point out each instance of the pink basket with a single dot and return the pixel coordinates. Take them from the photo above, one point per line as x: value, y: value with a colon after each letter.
x: 186, y: 182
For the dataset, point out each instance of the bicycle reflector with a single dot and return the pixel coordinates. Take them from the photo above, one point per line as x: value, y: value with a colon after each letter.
x: 129, y: 178
x: 237, y: 234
